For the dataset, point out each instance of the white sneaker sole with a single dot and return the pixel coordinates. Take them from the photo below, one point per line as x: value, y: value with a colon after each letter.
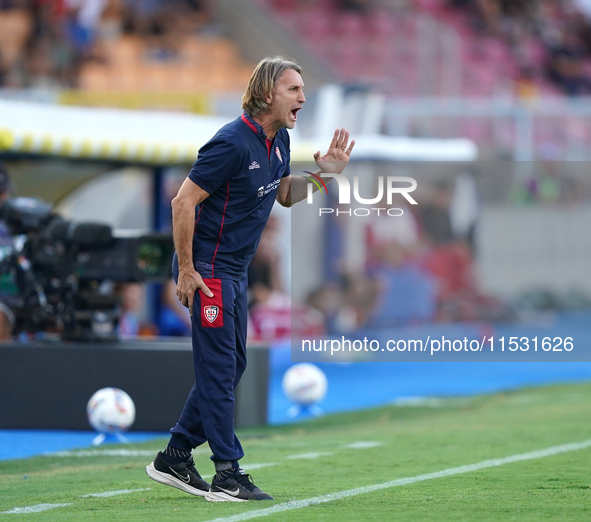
x: 222, y: 497
x: 167, y: 480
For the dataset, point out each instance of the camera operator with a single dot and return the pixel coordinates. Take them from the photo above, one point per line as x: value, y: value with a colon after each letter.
x: 7, y: 319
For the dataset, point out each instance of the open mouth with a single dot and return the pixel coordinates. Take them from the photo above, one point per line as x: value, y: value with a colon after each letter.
x: 294, y: 113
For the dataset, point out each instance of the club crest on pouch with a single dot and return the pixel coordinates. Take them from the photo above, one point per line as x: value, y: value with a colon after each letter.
x: 211, y: 313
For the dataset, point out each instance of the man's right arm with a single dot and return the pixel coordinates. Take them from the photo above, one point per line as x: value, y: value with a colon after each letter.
x: 183, y: 224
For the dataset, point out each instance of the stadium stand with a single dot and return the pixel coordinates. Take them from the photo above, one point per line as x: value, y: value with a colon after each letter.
x: 202, y: 65
x: 468, y: 48
x: 540, y: 48
x: 124, y: 46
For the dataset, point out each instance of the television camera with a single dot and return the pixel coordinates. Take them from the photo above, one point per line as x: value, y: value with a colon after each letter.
x: 61, y: 277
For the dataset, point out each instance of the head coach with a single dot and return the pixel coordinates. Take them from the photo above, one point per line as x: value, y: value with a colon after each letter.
x: 218, y: 216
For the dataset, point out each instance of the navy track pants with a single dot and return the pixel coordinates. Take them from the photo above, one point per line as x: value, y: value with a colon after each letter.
x: 219, y: 358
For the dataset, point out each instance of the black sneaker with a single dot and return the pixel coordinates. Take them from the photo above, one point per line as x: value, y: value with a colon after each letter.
x: 182, y: 476
x: 238, y: 488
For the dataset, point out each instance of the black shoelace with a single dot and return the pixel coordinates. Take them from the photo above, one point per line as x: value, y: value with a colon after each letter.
x: 245, y: 481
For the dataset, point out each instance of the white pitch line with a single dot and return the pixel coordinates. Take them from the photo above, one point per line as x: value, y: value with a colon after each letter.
x: 298, y: 504
x: 362, y: 444
x: 44, y: 507
x: 113, y: 493
x: 311, y: 455
x: 33, y: 509
x: 248, y: 467
x: 103, y: 453
x: 418, y: 402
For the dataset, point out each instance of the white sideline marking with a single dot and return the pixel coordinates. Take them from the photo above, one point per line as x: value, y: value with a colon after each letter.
x: 103, y: 453
x: 311, y: 455
x: 248, y: 467
x: 113, y: 493
x: 362, y: 444
x: 44, y: 507
x: 418, y: 402
x: 34, y: 509
x: 298, y: 504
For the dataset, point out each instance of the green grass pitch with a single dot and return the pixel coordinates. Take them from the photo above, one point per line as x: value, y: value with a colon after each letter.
x: 341, y: 452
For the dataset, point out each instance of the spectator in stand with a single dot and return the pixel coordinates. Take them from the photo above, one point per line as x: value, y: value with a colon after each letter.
x: 434, y: 215
x: 458, y: 295
x: 132, y: 296
x: 83, y: 19
x: 489, y: 11
x: 328, y: 299
x: 345, y: 306
x: 270, y: 313
x: 131, y: 323
x: 140, y: 13
x: 565, y: 66
x: 526, y: 87
x: 110, y: 27
x: 382, y: 229
x: 407, y: 292
x: 357, y: 6
x: 273, y: 316
x: 50, y: 57
x: 87, y: 14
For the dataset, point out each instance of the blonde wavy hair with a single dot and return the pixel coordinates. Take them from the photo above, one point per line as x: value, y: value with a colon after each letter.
x: 262, y: 81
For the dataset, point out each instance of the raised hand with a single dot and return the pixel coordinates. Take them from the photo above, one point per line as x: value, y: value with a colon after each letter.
x: 336, y: 158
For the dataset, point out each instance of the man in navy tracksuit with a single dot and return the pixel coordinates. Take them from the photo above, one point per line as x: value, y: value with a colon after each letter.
x: 218, y: 216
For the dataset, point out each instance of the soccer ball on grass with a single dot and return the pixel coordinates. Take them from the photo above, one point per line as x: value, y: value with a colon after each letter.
x: 305, y: 384
x: 110, y: 410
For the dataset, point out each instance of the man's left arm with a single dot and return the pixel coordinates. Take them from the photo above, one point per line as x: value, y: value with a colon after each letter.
x: 294, y: 188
